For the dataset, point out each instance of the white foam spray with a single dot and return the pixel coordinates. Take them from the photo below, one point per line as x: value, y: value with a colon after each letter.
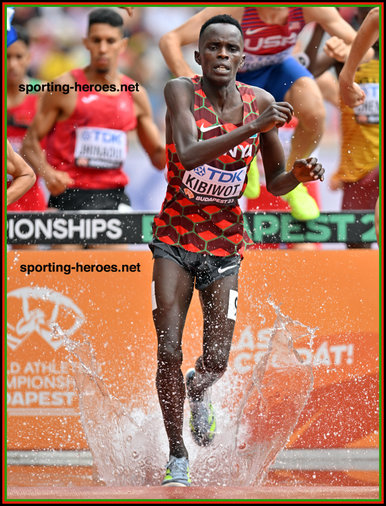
x: 255, y: 417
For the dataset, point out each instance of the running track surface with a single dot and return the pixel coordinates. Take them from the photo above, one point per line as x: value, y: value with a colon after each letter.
x: 185, y: 493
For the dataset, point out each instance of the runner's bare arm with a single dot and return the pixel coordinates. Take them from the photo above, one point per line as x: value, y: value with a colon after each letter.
x: 50, y: 109
x: 191, y: 152
x: 170, y: 44
x: 23, y: 176
x: 147, y: 130
x: 367, y: 35
x: 278, y: 180
x: 333, y: 23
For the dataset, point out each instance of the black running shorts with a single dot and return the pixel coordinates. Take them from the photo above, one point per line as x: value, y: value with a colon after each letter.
x: 204, y: 268
x: 75, y: 199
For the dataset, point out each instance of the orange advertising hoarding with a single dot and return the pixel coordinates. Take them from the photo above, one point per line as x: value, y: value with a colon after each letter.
x: 104, y: 298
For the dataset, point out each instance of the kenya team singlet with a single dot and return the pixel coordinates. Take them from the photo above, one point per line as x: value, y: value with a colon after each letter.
x: 200, y: 212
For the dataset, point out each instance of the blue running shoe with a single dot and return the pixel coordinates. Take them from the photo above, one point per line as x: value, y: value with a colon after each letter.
x: 177, y: 473
x: 202, y: 420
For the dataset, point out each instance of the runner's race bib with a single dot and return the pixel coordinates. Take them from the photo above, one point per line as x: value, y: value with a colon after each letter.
x: 368, y: 112
x: 100, y: 148
x: 208, y: 185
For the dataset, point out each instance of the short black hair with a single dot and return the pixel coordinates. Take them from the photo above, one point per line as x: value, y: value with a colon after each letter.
x: 221, y: 18
x: 22, y: 34
x: 106, y: 16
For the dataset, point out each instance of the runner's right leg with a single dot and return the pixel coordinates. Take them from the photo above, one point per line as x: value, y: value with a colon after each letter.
x: 173, y: 290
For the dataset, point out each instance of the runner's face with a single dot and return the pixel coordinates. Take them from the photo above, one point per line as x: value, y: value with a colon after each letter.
x: 18, y: 59
x: 220, y: 52
x: 105, y: 44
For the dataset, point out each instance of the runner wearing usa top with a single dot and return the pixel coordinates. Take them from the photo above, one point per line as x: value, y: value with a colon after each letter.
x: 214, y: 127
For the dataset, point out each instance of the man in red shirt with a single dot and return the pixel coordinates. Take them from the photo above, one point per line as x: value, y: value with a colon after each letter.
x: 86, y: 120
x: 214, y: 127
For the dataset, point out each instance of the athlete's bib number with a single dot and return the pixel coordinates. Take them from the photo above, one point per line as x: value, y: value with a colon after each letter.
x: 368, y: 112
x: 208, y: 185
x: 100, y: 148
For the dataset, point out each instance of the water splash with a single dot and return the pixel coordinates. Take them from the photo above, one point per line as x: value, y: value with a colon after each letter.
x: 277, y: 391
x: 129, y: 446
x: 122, y: 444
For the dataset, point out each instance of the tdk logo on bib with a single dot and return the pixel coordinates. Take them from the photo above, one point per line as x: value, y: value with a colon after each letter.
x: 206, y: 184
x: 220, y: 176
x: 101, y: 136
x: 100, y: 148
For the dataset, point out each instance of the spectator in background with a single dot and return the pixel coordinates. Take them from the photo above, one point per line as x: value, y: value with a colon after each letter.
x: 80, y: 171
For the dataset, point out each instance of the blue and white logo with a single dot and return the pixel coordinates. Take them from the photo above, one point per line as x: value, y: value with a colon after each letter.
x: 200, y: 170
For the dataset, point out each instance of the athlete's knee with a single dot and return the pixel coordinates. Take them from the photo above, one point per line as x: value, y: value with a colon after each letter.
x: 166, y: 303
x: 307, y: 100
x: 169, y: 354
x: 311, y: 112
x: 216, y: 363
x: 312, y: 118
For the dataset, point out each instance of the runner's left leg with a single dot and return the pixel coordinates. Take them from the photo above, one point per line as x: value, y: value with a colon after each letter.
x: 219, y: 302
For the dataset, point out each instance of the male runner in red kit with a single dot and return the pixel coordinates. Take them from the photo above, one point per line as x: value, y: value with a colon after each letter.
x: 86, y: 122
x: 214, y: 128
